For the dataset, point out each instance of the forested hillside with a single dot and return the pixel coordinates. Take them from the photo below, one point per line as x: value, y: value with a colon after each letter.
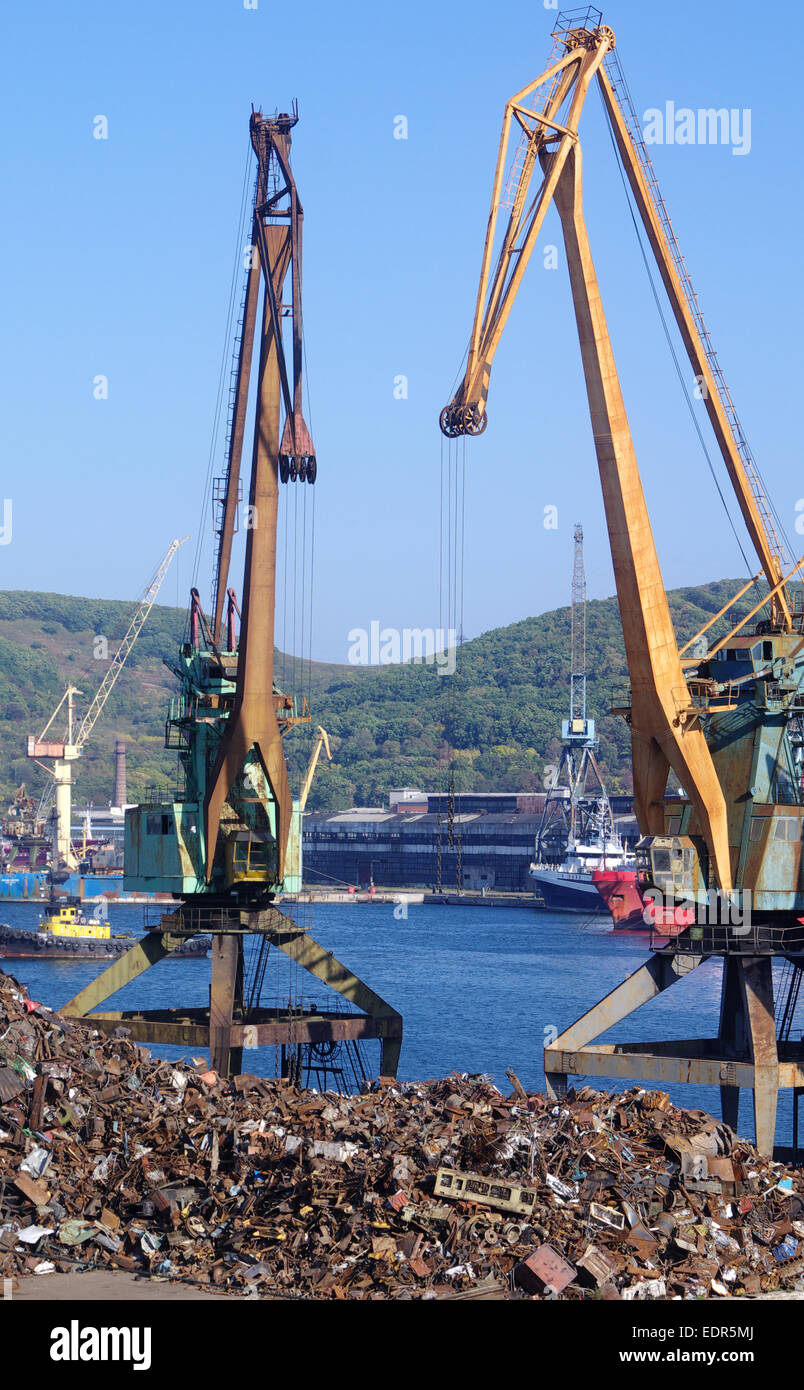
x: 389, y: 726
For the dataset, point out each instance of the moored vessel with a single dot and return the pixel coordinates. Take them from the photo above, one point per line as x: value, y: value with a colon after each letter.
x: 67, y: 932
x: 576, y: 835
x: 619, y: 891
x: 569, y: 884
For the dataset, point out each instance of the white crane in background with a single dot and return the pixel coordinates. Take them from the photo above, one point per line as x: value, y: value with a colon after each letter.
x: 65, y: 753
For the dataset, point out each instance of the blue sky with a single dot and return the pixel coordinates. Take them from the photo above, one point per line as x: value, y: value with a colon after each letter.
x: 119, y: 256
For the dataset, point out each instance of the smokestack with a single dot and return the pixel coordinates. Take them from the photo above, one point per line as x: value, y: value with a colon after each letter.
x: 119, y: 798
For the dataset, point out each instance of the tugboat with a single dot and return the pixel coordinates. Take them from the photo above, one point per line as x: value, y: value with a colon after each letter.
x: 67, y: 932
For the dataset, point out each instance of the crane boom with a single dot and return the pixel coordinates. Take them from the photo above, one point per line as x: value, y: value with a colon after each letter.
x: 661, y: 737
x: 296, y: 459
x: 540, y: 130
x: 322, y: 741
x: 121, y: 655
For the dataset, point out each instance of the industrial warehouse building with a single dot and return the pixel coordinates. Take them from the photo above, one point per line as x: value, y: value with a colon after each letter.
x: 408, y: 844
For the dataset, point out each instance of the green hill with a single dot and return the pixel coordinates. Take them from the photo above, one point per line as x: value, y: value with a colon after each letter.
x: 389, y: 726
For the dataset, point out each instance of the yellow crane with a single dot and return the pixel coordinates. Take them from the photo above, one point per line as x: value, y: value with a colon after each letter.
x: 738, y: 769
x: 67, y: 750
x: 322, y: 741
x: 660, y: 739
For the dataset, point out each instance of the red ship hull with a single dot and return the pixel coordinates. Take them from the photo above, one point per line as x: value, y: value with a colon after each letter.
x: 619, y: 890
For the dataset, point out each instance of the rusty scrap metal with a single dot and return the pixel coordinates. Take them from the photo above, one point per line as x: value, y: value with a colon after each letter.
x: 258, y: 1188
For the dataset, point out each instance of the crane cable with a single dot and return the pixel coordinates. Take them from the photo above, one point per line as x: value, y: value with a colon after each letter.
x: 452, y: 545
x: 312, y: 534
x: 450, y: 559
x: 670, y: 344
x: 294, y: 672
x: 225, y: 352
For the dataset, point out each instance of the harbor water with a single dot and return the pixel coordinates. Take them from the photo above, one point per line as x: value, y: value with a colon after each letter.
x: 479, y: 990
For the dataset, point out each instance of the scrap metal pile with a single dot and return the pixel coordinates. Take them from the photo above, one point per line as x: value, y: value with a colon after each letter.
x: 111, y: 1158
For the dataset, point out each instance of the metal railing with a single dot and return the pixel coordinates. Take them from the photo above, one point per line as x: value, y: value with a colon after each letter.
x: 731, y: 939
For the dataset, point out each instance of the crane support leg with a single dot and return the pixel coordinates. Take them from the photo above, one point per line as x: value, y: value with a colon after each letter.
x: 126, y: 968
x: 745, y: 1052
x: 732, y: 1031
x: 225, y: 995
x: 757, y: 991
x: 306, y: 952
x: 655, y: 976
x: 660, y: 736
x: 228, y: 1026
